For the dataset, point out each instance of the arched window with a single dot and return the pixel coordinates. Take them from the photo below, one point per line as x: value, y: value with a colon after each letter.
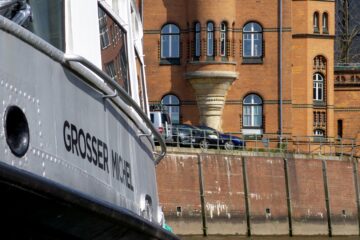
x: 223, y: 33
x: 197, y: 40
x: 170, y: 41
x: 325, y: 23
x: 252, y: 111
x: 318, y: 89
x: 210, y: 39
x: 173, y: 105
x: 316, y: 22
x: 252, y: 40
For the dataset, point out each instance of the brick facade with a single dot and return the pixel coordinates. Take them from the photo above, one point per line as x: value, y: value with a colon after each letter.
x: 301, y: 46
x: 347, y: 101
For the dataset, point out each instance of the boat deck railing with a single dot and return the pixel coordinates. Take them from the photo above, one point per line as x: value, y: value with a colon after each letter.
x: 119, y: 91
x: 102, y: 82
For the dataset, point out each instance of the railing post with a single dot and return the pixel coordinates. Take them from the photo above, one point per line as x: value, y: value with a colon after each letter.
x: 256, y: 143
x: 191, y: 138
x: 177, y: 137
x: 297, y: 145
x: 202, y: 197
x: 288, y: 195
x: 246, y: 195
x: 327, y: 197
x: 321, y: 139
x: 342, y: 148
x: 356, y: 183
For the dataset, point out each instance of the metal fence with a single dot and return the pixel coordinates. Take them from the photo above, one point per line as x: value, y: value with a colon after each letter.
x: 236, y: 141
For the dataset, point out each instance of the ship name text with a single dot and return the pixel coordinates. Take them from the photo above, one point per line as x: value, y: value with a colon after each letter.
x: 86, y: 146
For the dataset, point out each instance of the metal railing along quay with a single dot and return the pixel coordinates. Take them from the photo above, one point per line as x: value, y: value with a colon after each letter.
x: 271, y: 143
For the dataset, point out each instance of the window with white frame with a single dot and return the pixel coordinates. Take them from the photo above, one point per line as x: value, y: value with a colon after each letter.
x: 252, y: 40
x: 252, y: 111
x: 223, y: 30
x: 318, y: 87
x: 170, y: 41
x: 210, y: 39
x: 197, y: 40
x: 316, y: 22
x: 325, y: 23
x: 173, y: 106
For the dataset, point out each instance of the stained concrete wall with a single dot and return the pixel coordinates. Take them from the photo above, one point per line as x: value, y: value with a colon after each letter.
x: 248, y: 194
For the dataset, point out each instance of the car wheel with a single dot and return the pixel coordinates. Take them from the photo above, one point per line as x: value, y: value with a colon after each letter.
x: 229, y: 145
x: 204, y: 144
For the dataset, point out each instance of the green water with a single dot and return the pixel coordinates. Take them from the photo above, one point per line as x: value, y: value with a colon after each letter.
x: 268, y: 238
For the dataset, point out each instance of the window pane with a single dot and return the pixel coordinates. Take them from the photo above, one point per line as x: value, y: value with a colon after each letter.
x: 165, y: 46
x: 174, y: 100
x: 114, y: 60
x: 319, y: 94
x: 223, y: 44
x: 252, y: 27
x: 110, y: 69
x: 170, y: 28
x: 210, y: 44
x: 197, y: 45
x: 247, y: 48
x: 258, y: 45
x: 257, y: 121
x: 47, y: 21
x: 175, y: 44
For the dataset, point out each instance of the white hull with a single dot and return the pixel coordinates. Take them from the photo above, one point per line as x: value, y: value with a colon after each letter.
x: 80, y: 141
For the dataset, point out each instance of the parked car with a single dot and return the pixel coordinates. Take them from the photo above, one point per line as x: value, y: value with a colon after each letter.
x: 162, y: 122
x: 217, y: 139
x: 186, y: 135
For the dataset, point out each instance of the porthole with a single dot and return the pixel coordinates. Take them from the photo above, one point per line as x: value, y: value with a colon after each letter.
x: 17, y: 131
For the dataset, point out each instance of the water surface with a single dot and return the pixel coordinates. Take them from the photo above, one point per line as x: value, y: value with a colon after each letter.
x: 269, y: 238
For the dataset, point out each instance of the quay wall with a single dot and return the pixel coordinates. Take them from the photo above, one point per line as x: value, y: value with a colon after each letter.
x: 258, y: 194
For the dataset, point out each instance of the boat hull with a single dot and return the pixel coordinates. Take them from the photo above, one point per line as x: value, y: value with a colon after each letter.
x: 81, y: 143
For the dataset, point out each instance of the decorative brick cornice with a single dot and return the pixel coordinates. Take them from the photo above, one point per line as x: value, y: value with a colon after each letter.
x: 347, y: 109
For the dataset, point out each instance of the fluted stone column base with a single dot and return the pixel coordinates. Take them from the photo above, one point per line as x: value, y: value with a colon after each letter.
x: 211, y: 88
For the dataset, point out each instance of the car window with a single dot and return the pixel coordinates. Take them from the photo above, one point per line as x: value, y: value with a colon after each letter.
x: 152, y: 117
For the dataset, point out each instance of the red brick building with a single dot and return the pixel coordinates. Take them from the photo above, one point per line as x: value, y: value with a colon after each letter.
x: 244, y: 66
x: 347, y: 100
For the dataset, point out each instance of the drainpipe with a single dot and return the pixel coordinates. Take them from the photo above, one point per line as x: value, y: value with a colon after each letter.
x: 280, y: 26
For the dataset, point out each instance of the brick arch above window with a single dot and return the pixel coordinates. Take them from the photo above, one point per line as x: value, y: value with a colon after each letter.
x: 320, y: 64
